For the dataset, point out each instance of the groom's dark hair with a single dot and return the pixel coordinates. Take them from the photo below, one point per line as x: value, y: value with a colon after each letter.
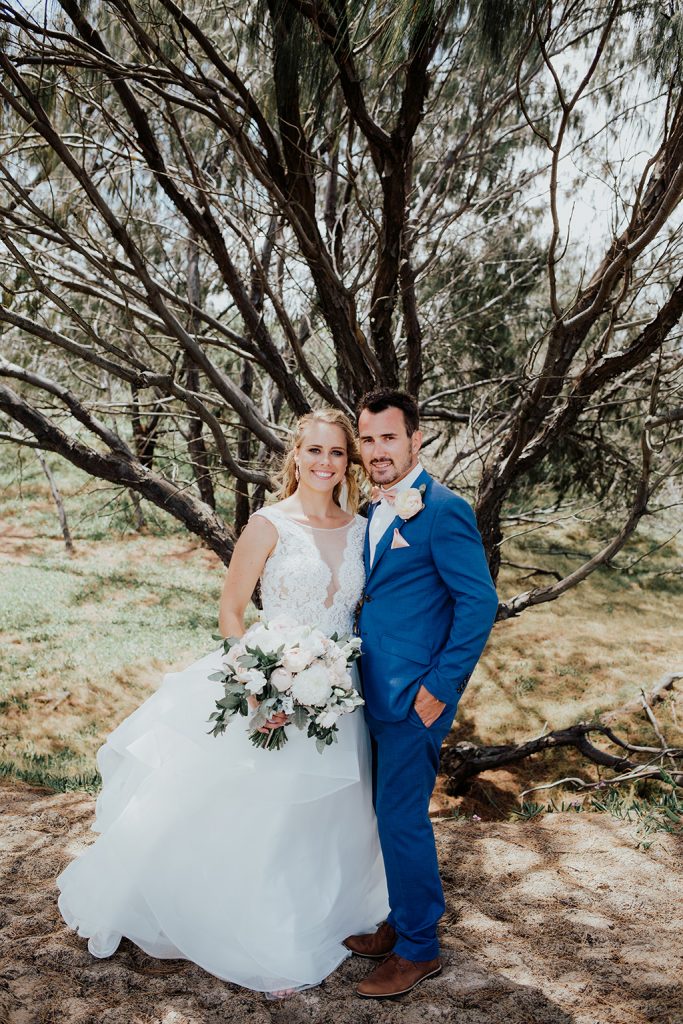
x: 388, y: 398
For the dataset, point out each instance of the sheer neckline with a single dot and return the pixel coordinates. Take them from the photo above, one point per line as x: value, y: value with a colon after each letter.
x: 314, y: 573
x: 307, y: 526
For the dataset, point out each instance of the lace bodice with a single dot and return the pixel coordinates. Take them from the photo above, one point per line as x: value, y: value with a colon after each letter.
x: 315, y: 576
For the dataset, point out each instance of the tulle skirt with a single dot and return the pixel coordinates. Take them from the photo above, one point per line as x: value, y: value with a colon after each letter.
x: 255, y: 864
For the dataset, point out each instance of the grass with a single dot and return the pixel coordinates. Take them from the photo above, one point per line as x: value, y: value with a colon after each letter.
x: 58, y: 772
x: 651, y: 807
x: 565, y: 662
x: 84, y: 641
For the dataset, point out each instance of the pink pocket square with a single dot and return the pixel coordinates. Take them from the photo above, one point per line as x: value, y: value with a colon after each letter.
x: 398, y: 541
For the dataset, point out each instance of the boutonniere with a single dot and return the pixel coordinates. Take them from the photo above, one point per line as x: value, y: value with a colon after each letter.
x: 409, y: 502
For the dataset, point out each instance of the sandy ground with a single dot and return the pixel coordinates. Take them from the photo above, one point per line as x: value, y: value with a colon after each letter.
x: 563, y: 919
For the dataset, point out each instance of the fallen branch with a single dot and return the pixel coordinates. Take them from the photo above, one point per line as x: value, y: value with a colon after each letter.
x: 534, y: 570
x: 463, y: 761
x: 645, y: 771
x: 657, y: 694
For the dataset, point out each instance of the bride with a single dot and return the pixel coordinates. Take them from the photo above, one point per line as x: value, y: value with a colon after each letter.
x: 254, y: 864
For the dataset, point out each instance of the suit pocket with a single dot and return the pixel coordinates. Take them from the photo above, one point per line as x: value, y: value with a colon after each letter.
x: 415, y: 547
x: 402, y: 648
x: 415, y: 718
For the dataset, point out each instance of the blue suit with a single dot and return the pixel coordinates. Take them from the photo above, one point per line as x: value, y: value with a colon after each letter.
x: 427, y: 611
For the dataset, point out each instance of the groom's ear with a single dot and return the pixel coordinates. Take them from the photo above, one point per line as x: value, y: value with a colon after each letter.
x: 415, y: 441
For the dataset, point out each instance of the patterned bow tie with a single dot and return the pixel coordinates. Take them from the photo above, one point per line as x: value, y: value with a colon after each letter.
x: 380, y: 494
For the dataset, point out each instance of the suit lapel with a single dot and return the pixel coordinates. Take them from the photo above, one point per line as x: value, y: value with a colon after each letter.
x: 366, y: 542
x: 383, y: 542
x: 388, y: 535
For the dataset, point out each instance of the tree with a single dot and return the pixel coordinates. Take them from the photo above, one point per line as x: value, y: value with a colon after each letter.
x: 216, y: 218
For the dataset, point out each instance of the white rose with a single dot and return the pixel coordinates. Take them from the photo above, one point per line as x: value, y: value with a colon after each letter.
x: 242, y: 673
x: 266, y: 638
x: 341, y: 672
x: 408, y: 503
x: 297, y: 659
x: 327, y: 719
x: 289, y: 631
x: 314, y: 643
x: 253, y: 680
x: 313, y: 685
x: 332, y: 656
x: 235, y: 652
x: 281, y: 679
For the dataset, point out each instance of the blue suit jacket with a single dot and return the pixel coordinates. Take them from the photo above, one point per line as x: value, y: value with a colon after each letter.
x: 427, y: 609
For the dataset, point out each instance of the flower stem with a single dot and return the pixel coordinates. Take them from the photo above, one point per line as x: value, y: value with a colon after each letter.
x: 274, y: 739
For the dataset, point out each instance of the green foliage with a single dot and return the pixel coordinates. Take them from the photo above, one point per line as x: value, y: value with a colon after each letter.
x: 501, y: 24
x: 652, y: 806
x: 471, y: 202
x: 76, y: 631
x: 48, y: 770
x: 525, y: 684
x: 304, y: 66
x: 528, y: 811
x: 660, y: 39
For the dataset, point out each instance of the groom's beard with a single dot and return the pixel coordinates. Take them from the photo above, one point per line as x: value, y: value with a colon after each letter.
x: 386, y: 472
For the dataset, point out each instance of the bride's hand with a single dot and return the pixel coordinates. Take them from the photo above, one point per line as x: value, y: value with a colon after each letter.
x: 273, y: 723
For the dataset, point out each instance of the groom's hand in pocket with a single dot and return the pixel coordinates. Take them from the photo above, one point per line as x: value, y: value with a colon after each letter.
x: 428, y: 707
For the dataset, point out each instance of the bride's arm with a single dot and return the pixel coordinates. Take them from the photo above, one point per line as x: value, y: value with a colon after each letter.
x: 256, y: 542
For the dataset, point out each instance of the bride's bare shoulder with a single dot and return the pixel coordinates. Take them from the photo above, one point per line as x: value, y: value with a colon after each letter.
x: 275, y: 506
x: 260, y: 533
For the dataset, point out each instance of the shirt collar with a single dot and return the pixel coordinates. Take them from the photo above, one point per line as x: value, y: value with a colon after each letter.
x: 408, y: 480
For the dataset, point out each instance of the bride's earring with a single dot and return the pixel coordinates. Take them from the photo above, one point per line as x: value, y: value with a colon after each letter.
x: 297, y: 474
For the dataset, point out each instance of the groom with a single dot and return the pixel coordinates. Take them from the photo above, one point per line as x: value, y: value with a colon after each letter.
x: 428, y: 607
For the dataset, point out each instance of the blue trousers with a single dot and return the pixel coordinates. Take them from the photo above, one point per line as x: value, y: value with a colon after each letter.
x: 405, y: 765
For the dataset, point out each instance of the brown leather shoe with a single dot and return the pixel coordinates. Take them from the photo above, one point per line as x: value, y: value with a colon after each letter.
x: 375, y: 946
x: 395, y: 976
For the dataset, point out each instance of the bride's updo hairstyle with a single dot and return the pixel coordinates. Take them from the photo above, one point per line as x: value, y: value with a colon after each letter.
x: 354, y: 467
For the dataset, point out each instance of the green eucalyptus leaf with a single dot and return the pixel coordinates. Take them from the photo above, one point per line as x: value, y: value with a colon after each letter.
x: 248, y: 661
x: 299, y: 717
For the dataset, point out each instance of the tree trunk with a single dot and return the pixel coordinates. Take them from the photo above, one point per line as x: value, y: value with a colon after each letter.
x: 242, y: 503
x: 61, y: 511
x: 199, y: 456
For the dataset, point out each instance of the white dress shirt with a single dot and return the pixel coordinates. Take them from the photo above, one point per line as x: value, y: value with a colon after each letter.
x: 384, y: 513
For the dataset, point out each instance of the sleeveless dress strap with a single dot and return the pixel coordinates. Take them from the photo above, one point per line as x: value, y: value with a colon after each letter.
x: 277, y: 519
x: 265, y: 512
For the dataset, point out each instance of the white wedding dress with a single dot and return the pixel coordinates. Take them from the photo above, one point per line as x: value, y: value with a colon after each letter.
x: 255, y: 864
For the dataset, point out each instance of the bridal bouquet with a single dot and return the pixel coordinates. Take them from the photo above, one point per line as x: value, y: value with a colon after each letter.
x: 292, y: 669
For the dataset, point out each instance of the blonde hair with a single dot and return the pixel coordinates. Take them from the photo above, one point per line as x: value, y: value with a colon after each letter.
x: 354, y: 468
